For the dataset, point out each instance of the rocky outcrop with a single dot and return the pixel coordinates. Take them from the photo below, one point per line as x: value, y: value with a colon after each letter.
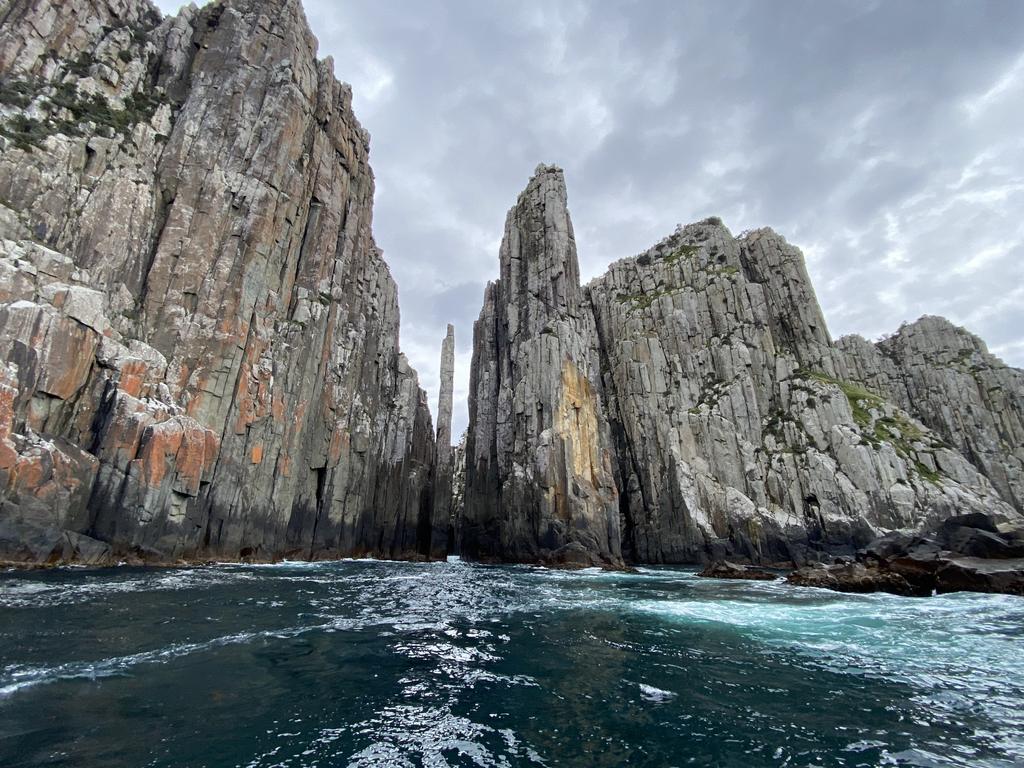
x: 723, y: 569
x: 855, y: 578
x: 946, y: 377
x: 738, y: 428
x: 441, y: 533
x: 539, y: 463
x: 966, y: 553
x: 199, y: 335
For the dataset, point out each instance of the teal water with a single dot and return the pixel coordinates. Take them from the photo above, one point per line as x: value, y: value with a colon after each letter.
x: 390, y: 664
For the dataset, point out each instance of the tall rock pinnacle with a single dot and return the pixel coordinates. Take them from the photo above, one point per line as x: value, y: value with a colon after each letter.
x: 539, y: 482
x: 444, y: 400
x: 443, y: 456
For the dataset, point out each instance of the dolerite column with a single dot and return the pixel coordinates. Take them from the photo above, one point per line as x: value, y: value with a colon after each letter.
x: 216, y: 349
x: 443, y: 457
x: 539, y: 482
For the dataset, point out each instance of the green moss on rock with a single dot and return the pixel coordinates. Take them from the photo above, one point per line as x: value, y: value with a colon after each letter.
x: 685, y: 251
x: 70, y: 113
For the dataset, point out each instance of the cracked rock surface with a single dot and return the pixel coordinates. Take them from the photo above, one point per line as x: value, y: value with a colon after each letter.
x: 199, y: 336
x: 734, y: 426
x: 540, y: 483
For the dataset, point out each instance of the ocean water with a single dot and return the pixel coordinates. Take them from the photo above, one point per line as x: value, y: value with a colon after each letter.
x: 451, y: 664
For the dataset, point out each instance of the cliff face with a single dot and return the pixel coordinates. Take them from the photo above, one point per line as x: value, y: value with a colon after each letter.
x: 737, y: 427
x: 539, y: 482
x: 199, y: 344
x: 200, y: 337
x: 947, y: 378
x: 739, y: 431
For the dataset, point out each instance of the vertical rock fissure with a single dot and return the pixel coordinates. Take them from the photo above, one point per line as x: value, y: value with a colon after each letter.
x: 321, y: 491
x: 312, y: 219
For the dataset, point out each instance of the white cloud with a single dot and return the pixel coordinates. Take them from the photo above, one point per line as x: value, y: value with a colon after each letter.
x: 1011, y: 80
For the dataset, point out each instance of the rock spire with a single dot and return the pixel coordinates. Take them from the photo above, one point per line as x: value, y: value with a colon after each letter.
x: 443, y: 443
x: 539, y: 464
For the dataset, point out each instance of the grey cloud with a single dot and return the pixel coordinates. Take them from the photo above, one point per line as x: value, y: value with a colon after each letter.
x: 881, y: 137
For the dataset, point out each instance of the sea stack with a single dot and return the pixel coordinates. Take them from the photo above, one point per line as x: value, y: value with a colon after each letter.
x: 539, y: 476
x: 441, y: 525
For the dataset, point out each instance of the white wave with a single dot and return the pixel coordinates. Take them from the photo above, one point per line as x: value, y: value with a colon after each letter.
x: 656, y: 695
x: 878, y: 635
x: 18, y: 593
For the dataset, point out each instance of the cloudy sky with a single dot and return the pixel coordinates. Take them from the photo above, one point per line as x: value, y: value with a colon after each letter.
x: 883, y: 138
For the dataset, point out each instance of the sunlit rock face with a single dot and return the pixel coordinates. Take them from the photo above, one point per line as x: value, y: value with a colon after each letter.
x: 737, y: 427
x: 199, y: 336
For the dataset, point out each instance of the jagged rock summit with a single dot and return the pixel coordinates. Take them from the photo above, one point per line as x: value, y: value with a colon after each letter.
x: 199, y: 336
x: 539, y: 475
x: 690, y: 405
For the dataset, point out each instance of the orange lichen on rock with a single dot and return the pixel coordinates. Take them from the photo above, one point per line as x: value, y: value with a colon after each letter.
x: 8, y: 394
x: 339, y: 444
x: 576, y: 422
x: 181, y: 446
x: 253, y: 394
x: 133, y: 376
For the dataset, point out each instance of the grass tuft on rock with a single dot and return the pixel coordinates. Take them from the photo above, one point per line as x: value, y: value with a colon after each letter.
x: 861, y: 400
x: 685, y: 251
x: 68, y: 112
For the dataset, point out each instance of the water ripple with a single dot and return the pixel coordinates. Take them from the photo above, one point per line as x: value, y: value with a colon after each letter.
x: 366, y: 663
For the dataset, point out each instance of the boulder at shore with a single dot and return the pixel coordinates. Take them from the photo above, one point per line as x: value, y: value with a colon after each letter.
x: 723, y: 569
x: 970, y: 553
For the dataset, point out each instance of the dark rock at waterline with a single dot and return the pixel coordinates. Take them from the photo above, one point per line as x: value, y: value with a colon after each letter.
x: 856, y: 578
x: 974, y: 535
x: 723, y: 569
x: 982, y: 536
x: 968, y: 553
x: 572, y: 555
x: 975, y: 542
x: 973, y: 520
x: 896, y: 544
x: 976, y: 575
